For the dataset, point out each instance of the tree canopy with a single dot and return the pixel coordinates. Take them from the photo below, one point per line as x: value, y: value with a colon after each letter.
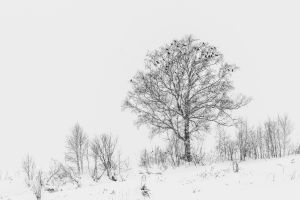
x: 185, y: 86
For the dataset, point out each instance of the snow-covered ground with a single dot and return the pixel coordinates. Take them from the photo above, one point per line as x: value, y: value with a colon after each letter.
x: 257, y: 179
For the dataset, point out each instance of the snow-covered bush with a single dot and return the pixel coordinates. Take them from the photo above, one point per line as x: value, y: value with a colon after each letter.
x: 156, y: 157
x: 235, y: 166
x: 59, y: 175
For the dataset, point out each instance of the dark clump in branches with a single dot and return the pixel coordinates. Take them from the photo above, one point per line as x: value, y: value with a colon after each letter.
x: 186, y: 85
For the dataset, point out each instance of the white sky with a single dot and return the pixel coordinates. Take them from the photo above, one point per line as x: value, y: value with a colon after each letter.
x: 68, y: 61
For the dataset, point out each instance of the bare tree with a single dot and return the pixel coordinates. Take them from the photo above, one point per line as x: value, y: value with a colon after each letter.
x: 222, y: 139
x: 225, y: 145
x: 232, y: 148
x: 87, y: 155
x: 253, y: 144
x: 260, y: 141
x: 277, y: 134
x: 122, y: 166
x: 285, y: 127
x: 77, y: 145
x: 185, y: 87
x: 271, y: 138
x: 38, y: 185
x: 28, y: 166
x: 94, y: 153
x: 54, y: 177
x: 103, y: 148
x: 242, y: 137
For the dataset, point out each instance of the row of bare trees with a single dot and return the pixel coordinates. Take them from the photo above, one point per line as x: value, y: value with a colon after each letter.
x: 80, y: 151
x: 269, y: 140
x: 101, y: 149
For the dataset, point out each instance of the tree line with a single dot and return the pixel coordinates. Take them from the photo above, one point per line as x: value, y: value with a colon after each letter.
x: 83, y: 156
x: 270, y: 140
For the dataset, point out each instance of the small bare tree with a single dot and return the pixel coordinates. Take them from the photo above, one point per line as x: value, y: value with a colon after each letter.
x: 221, y: 139
x: 122, y: 166
x: 232, y: 148
x: 94, y: 153
x: 28, y: 166
x: 77, y: 145
x: 103, y: 148
x: 94, y: 146
x: 242, y: 138
x: 285, y: 127
x: 272, y: 139
x: 53, y: 178
x: 38, y: 185
x: 260, y: 141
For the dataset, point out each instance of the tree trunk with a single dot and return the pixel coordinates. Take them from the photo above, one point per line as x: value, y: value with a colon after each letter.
x: 241, y: 156
x: 88, y: 159
x: 78, y: 164
x: 187, y: 142
x: 95, y: 173
x: 245, y: 154
x: 231, y: 155
x: 81, y: 165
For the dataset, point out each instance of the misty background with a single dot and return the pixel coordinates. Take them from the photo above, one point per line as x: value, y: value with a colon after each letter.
x: 68, y: 61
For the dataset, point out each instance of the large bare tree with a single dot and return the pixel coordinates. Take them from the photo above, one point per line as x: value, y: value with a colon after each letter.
x: 77, y: 145
x: 186, y: 85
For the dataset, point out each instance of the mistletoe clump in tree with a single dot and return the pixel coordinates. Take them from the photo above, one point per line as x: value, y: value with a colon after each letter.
x: 185, y: 87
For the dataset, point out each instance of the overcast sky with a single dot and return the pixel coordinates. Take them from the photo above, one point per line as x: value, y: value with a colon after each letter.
x: 68, y: 61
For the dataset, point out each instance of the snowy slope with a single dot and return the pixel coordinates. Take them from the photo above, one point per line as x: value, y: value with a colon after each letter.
x: 257, y: 179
